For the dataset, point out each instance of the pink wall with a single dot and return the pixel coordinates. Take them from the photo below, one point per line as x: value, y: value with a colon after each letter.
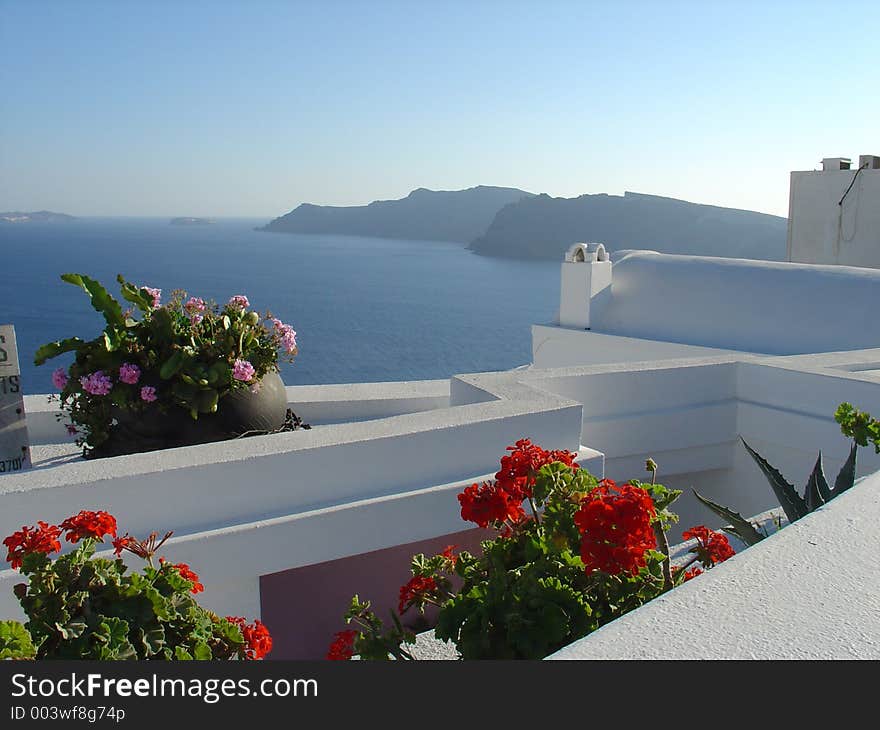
x: 303, y: 607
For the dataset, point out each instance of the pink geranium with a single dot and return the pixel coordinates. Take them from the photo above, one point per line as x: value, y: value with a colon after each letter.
x: 59, y: 378
x: 239, y: 301
x: 155, y: 293
x: 97, y: 383
x: 243, y: 370
x: 194, y: 307
x: 148, y: 394
x: 129, y: 374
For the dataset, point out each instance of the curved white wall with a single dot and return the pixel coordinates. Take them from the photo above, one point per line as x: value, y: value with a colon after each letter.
x: 739, y: 304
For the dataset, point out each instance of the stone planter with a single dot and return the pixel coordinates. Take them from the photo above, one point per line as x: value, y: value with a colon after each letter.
x: 240, y: 413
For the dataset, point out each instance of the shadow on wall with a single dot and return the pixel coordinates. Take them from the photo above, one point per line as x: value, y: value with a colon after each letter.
x: 303, y: 607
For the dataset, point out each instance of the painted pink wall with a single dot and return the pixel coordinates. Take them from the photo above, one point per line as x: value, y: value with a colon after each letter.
x: 303, y: 607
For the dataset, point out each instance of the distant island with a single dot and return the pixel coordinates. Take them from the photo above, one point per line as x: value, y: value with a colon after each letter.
x: 190, y: 221
x: 541, y: 227
x: 512, y: 223
x: 37, y: 216
x: 429, y: 215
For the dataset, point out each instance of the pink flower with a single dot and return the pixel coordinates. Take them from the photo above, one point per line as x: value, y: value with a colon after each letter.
x: 59, y: 378
x: 288, y: 342
x: 97, y: 383
x: 71, y: 430
x: 288, y: 335
x: 242, y: 370
x: 129, y: 374
x: 194, y: 307
x: 148, y: 394
x: 240, y: 301
x: 155, y: 293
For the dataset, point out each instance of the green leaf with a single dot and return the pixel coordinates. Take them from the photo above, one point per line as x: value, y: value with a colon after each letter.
x: 846, y: 477
x: 15, y: 641
x: 53, y: 349
x: 136, y: 295
x: 100, y: 297
x: 170, y: 367
x: 790, y: 501
x: 741, y: 527
x: 182, y: 654
x: 202, y: 652
x: 817, y: 491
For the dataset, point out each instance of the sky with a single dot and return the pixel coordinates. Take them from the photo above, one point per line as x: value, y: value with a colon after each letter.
x: 188, y: 108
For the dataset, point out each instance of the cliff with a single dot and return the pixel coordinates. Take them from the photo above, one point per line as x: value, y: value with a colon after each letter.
x: 541, y: 227
x: 436, y: 215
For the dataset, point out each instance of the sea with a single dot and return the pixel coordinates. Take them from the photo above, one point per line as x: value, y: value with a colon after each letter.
x: 364, y: 309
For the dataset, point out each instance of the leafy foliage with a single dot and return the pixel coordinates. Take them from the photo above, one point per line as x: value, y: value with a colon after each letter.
x: 80, y: 606
x: 15, y: 641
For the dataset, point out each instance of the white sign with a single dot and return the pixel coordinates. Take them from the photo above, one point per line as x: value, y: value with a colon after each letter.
x: 14, y: 452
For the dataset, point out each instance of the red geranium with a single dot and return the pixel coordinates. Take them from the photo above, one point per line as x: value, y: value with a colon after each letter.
x: 89, y: 524
x: 520, y: 467
x: 487, y: 503
x: 256, y: 636
x: 615, y: 526
x: 450, y: 555
x: 342, y: 648
x: 40, y: 539
x: 417, y: 587
x: 187, y: 574
x: 712, y: 547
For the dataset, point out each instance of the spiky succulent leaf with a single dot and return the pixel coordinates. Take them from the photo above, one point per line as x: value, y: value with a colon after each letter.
x: 846, y: 477
x: 791, y: 502
x: 739, y: 525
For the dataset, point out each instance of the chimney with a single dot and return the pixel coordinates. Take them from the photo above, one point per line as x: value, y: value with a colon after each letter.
x: 585, y: 284
x: 835, y: 163
x: 869, y: 162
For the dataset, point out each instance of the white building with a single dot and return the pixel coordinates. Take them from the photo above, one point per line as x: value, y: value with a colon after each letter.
x: 834, y: 213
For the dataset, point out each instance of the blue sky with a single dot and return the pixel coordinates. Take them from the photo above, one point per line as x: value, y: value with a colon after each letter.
x: 250, y: 108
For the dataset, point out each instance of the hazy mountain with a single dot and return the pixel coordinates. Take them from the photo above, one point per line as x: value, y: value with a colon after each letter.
x: 39, y: 216
x: 542, y: 227
x: 187, y: 221
x: 438, y: 215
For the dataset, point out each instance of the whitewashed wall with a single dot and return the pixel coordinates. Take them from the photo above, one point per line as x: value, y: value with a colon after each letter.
x: 820, y: 231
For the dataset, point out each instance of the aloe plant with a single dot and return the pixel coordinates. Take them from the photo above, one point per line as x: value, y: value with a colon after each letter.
x: 816, y: 493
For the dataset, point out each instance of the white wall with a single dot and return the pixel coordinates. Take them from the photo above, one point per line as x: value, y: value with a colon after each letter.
x: 822, y: 232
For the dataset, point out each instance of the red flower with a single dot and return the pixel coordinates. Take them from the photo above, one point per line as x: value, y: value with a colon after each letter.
x: 342, y: 648
x: 187, y: 574
x: 520, y: 467
x: 89, y: 524
x: 487, y: 503
x: 40, y: 539
x: 257, y: 639
x: 688, y: 574
x: 711, y: 548
x: 120, y: 543
x: 449, y: 555
x: 615, y: 526
x: 417, y: 587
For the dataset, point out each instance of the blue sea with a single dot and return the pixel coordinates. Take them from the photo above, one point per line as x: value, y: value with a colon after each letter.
x: 365, y: 309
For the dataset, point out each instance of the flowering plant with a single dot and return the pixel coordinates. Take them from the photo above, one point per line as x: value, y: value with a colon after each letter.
x: 185, y: 354
x: 84, y: 607
x: 587, y: 552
